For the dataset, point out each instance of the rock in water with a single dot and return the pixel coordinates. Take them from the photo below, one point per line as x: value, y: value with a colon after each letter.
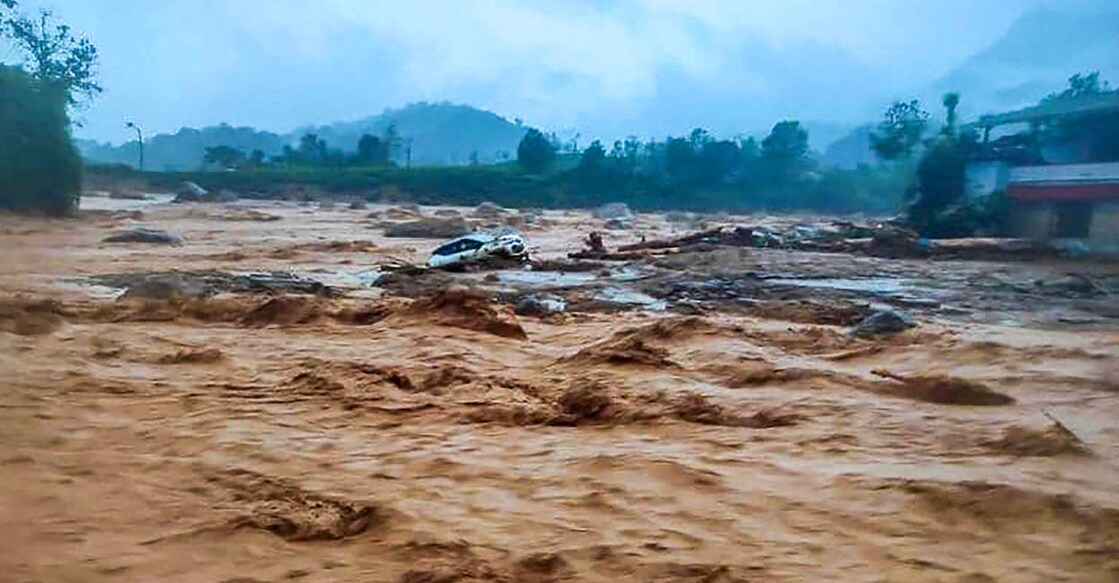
x: 144, y: 235
x: 540, y: 305
x: 190, y: 192
x: 165, y: 286
x: 613, y: 210
x: 883, y: 322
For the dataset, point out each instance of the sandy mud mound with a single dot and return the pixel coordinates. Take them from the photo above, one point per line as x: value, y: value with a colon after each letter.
x: 30, y: 317
x: 942, y: 390
x: 293, y: 513
x: 466, y: 309
x: 1054, y: 440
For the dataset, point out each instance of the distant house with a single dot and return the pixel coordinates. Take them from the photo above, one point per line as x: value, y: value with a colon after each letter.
x: 1059, y: 171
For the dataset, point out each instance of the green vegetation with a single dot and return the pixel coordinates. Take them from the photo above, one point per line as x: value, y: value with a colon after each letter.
x: 535, y: 152
x: 698, y: 172
x: 40, y: 170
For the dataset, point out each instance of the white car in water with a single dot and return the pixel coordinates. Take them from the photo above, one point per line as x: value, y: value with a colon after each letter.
x: 477, y: 246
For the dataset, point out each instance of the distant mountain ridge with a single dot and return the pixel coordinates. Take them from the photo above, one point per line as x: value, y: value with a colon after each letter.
x: 436, y: 133
x: 1035, y: 57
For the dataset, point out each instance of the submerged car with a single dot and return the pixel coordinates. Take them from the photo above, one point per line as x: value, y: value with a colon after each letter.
x: 476, y: 246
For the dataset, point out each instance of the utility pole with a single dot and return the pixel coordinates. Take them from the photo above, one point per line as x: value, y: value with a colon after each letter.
x: 140, y: 139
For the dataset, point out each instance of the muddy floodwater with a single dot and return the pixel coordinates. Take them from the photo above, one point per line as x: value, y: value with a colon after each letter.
x: 699, y: 416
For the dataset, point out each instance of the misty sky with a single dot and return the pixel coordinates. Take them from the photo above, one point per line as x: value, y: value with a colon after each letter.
x: 645, y: 67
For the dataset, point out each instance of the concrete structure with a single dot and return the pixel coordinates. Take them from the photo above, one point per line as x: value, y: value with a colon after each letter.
x: 1056, y: 191
x: 1072, y: 201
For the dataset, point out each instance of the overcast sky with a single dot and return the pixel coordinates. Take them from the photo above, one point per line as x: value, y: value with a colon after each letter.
x: 645, y: 67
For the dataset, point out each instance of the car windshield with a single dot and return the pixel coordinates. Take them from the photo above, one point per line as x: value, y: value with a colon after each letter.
x: 458, y: 246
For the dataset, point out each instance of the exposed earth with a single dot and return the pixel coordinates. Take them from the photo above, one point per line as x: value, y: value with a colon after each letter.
x: 703, y: 415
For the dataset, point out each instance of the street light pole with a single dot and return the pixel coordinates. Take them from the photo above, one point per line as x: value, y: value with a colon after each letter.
x: 140, y: 139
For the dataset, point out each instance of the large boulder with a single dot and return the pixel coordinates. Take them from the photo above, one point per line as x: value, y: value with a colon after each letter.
x: 166, y: 286
x: 144, y: 235
x: 883, y: 323
x: 190, y: 192
x: 429, y: 228
x: 540, y: 305
x: 613, y: 210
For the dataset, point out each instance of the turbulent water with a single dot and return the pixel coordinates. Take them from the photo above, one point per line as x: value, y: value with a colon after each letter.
x: 376, y: 437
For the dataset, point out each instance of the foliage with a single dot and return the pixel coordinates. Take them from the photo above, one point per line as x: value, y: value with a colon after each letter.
x: 1080, y: 85
x: 697, y: 172
x: 39, y: 168
x: 535, y: 152
x: 54, y: 55
x: 224, y: 157
x: 901, y: 130
x: 372, y: 151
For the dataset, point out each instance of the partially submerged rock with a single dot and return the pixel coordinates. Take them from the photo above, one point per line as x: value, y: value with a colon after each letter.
x: 540, y: 305
x: 144, y: 235
x: 166, y: 286
x: 429, y: 228
x: 186, y: 284
x: 883, y: 322
x: 190, y: 192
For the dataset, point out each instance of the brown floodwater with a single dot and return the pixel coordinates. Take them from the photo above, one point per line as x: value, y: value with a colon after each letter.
x: 372, y: 437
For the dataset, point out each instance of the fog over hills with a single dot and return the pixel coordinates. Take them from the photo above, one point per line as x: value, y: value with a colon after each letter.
x: 589, y: 69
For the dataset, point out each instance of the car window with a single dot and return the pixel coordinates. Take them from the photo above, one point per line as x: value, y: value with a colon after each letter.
x: 470, y: 244
x: 448, y: 249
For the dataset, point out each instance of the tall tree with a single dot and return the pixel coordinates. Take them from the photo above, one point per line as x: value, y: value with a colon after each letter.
x: 901, y: 130
x: 372, y: 151
x: 785, y: 150
x: 535, y: 152
x: 54, y: 54
x: 951, y: 101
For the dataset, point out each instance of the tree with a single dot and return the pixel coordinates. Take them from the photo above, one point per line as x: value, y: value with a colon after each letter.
x: 224, y: 157
x: 785, y: 150
x: 372, y: 151
x: 1080, y: 85
x: 39, y: 168
x: 951, y: 101
x: 312, y: 149
x: 535, y: 152
x: 901, y: 130
x: 54, y: 55
x: 593, y: 159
